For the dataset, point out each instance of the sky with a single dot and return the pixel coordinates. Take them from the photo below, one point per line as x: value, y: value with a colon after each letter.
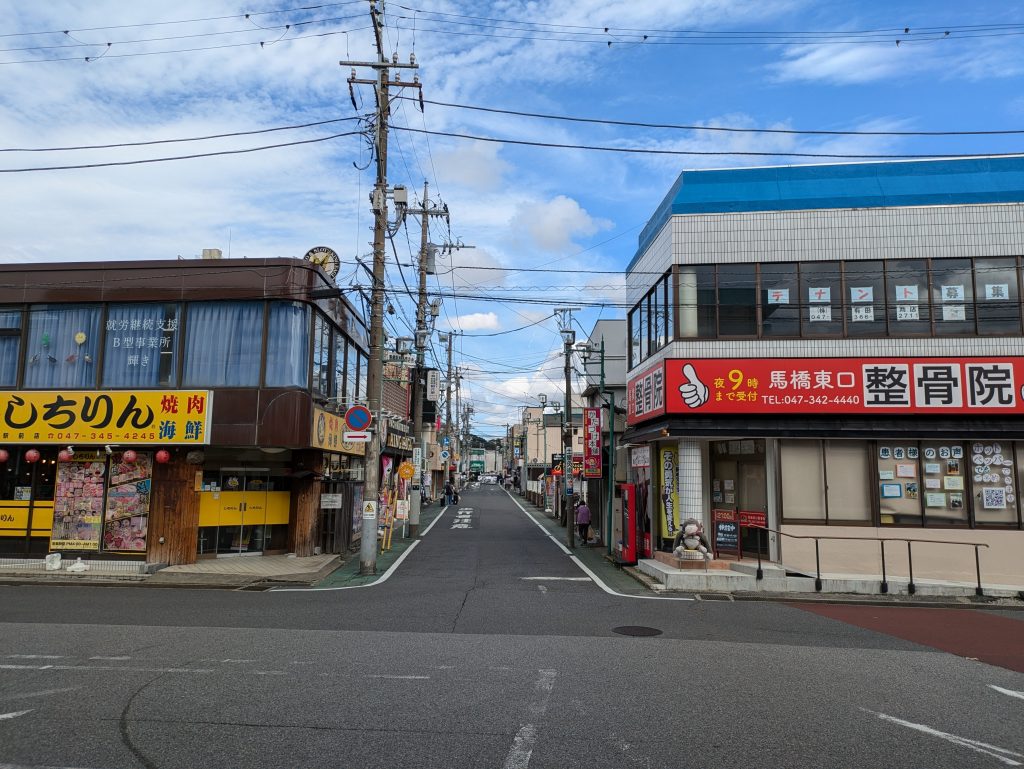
x: 543, y: 227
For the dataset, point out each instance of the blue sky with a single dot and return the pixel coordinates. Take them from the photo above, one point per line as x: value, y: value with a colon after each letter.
x: 521, y: 207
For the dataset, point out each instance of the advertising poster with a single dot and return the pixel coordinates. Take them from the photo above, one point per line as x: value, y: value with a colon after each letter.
x: 78, y: 503
x: 127, y: 510
x: 670, y: 494
x: 591, y: 443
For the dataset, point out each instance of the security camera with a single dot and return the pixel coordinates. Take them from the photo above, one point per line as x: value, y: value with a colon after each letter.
x: 108, y: 449
x: 71, y: 450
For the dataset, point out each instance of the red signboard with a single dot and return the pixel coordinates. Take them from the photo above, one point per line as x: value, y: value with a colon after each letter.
x: 591, y: 443
x: 753, y: 518
x: 980, y: 385
x: 645, y: 396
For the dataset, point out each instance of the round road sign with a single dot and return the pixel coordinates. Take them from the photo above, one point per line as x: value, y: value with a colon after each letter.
x: 358, y: 418
x: 445, y: 454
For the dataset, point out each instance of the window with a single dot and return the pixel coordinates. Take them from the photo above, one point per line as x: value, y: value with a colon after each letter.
x: 322, y: 373
x: 899, y: 483
x: 643, y: 318
x: 338, y: 381
x: 634, y: 337
x: 803, y: 480
x: 944, y: 470
x: 997, y: 299
x: 825, y: 481
x: 821, y: 297
x: 352, y: 377
x: 361, y: 392
x: 667, y: 308
x: 288, y: 345
x: 737, y: 300
x: 62, y: 346
x: 141, y: 345
x: 698, y: 309
x: 906, y: 289
x: 953, y: 296
x: 848, y: 477
x: 10, y: 346
x: 223, y: 342
x: 864, y: 292
x: 780, y: 300
x: 657, y: 317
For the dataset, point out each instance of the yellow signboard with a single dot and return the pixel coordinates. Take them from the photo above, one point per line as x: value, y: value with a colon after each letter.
x: 227, y: 508
x: 173, y: 417
x: 328, y: 433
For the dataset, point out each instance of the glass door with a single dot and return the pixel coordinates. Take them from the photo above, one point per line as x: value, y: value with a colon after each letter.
x: 243, y: 510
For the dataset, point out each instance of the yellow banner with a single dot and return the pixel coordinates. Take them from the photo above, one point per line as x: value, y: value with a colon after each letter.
x: 328, y: 433
x: 670, y: 494
x: 14, y: 518
x: 173, y: 417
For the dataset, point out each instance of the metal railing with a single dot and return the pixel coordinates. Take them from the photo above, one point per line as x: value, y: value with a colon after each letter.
x: 911, y: 587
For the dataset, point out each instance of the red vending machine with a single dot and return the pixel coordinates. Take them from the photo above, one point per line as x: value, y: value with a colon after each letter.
x: 625, y: 548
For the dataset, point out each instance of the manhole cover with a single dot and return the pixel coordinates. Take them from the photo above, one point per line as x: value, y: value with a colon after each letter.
x: 636, y: 630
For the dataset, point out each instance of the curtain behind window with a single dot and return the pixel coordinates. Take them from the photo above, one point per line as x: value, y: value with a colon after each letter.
x: 141, y: 348
x: 288, y: 345
x: 60, y: 348
x: 10, y: 346
x: 222, y: 344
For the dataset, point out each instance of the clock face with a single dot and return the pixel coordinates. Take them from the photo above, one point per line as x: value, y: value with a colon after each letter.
x: 325, y: 258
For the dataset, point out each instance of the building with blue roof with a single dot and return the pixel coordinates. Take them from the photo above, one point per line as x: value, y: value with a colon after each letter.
x: 835, y: 346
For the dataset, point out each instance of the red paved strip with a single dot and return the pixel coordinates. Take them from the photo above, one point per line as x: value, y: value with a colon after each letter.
x: 965, y: 632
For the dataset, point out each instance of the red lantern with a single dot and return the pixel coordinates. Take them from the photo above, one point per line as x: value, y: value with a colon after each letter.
x: 32, y: 455
x: 129, y: 456
x: 64, y: 455
x: 163, y: 456
x: 4, y: 456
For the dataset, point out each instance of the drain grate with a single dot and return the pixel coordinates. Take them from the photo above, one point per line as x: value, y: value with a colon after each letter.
x: 638, y: 631
x: 713, y: 597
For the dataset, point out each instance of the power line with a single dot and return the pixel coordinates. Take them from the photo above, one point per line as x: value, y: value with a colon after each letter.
x: 702, y: 153
x: 728, y: 129
x: 179, y: 157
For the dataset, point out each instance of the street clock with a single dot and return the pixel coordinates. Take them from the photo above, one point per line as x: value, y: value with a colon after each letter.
x: 325, y: 258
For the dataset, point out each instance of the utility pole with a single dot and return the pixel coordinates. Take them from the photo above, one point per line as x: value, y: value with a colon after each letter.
x: 448, y: 411
x: 568, y: 338
x: 382, y: 84
x: 425, y: 211
x: 458, y: 420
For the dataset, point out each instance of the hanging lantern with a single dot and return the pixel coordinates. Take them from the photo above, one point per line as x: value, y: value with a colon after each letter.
x: 32, y: 455
x: 4, y: 456
x: 163, y: 456
x: 64, y: 455
x: 129, y: 456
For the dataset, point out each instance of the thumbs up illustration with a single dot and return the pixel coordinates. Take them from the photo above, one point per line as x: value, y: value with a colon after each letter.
x: 694, y: 391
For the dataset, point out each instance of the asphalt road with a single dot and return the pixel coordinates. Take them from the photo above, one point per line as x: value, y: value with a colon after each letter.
x: 487, y: 647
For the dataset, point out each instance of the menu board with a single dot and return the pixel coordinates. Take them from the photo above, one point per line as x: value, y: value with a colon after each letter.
x: 78, y: 503
x: 127, y: 509
x: 726, y: 531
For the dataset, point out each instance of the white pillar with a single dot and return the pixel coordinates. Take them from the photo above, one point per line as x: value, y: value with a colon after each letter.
x: 691, y: 481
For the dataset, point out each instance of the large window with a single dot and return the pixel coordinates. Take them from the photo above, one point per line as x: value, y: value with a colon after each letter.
x: 141, y: 345
x: 352, y: 374
x: 737, y: 300
x: 10, y: 346
x: 322, y: 373
x: 997, y: 296
x: 953, y: 296
x: 864, y: 294
x: 223, y: 342
x: 821, y: 297
x: 826, y: 481
x: 288, y: 345
x: 780, y: 300
x: 61, y: 346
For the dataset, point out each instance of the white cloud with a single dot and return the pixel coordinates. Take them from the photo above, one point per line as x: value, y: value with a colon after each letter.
x: 475, y: 166
x: 849, y: 63
x: 552, y: 225
x: 476, y: 321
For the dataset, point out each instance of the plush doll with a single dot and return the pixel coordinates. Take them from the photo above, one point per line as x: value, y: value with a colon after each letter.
x: 690, y: 543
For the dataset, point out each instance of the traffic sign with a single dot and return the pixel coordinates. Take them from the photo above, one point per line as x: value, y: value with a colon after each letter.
x: 356, y: 437
x: 369, y: 509
x: 406, y: 471
x: 358, y: 418
x: 445, y: 454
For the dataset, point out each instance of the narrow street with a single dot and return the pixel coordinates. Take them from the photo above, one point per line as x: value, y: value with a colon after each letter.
x: 490, y: 647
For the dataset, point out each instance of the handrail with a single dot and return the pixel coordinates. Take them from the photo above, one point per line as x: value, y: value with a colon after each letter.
x: 884, y: 587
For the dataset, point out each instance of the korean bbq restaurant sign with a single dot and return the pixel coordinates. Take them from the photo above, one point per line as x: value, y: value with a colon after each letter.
x: 829, y: 385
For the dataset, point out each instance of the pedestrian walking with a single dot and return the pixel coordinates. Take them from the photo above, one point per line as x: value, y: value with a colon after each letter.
x: 583, y: 520
x: 449, y: 492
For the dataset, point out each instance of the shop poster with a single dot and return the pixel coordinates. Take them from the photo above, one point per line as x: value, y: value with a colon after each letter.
x: 127, y: 510
x: 78, y: 503
x: 670, y: 494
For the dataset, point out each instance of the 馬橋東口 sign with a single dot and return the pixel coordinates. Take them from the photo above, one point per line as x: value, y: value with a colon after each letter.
x: 180, y: 417
x: 990, y: 385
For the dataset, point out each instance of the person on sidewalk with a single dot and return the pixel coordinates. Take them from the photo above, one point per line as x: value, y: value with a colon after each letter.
x: 583, y: 520
x: 449, y: 492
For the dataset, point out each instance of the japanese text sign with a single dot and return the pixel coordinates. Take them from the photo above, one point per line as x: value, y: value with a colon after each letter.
x: 591, y: 443
x: 645, y: 394
x: 990, y: 385
x: 328, y: 434
x: 179, y: 417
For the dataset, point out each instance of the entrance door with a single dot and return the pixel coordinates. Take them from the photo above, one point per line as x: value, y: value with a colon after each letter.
x: 739, y: 483
x: 243, y: 512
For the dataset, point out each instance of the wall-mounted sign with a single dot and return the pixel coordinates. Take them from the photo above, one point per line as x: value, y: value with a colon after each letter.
x: 180, y: 417
x: 591, y: 443
x: 433, y: 384
x: 640, y: 456
x: 328, y: 434
x: 989, y: 385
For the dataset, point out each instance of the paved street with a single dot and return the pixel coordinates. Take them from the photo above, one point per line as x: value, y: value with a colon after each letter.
x: 489, y: 647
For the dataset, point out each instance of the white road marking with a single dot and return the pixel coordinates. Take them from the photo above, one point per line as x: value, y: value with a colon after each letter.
x: 105, y: 667
x: 43, y: 693
x: 562, y: 579
x: 15, y: 714
x: 1007, y: 692
x: 596, y: 579
x: 542, y: 588
x: 522, y: 744
x: 111, y: 659
x: 26, y: 766
x: 269, y: 673
x: 994, y: 751
x: 401, y: 678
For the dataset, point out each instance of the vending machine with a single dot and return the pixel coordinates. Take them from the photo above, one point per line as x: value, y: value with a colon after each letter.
x: 625, y: 547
